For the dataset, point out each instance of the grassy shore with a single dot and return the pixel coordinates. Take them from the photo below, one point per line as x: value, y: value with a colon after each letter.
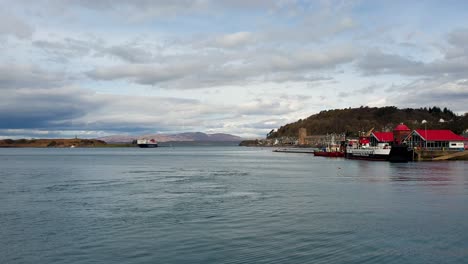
x: 57, y: 143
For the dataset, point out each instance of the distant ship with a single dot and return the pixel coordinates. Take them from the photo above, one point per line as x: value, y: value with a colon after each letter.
x: 147, y: 143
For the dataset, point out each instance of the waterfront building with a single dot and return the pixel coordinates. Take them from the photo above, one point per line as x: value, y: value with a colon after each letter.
x: 436, y: 140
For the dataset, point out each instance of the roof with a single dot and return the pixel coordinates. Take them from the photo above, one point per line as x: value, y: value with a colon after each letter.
x: 439, y: 135
x: 383, y: 136
x: 401, y: 127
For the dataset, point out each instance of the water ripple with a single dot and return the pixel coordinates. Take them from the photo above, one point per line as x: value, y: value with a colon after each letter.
x: 228, y: 205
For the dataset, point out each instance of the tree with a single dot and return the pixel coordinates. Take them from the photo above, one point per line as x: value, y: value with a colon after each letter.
x: 270, y: 134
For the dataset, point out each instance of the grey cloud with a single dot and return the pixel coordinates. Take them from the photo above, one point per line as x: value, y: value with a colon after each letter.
x: 145, y: 74
x: 313, y: 29
x: 429, y: 92
x: 70, y: 108
x: 65, y: 49
x: 458, y: 40
x: 344, y: 94
x: 129, y: 11
x: 24, y: 76
x: 383, y: 63
x: 281, y: 77
x: 264, y: 107
x: 29, y: 133
x: 150, y: 114
x: 69, y: 48
x: 42, y: 108
x: 155, y: 8
x: 377, y: 62
x: 62, y: 111
x: 453, y: 63
x: 307, y: 59
x: 130, y: 53
x: 200, y: 71
x: 368, y: 89
x: 267, y: 124
x: 272, y: 106
x: 147, y: 9
x: 12, y: 25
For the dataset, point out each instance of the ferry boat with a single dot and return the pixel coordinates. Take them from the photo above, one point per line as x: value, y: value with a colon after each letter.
x: 147, y: 143
x: 362, y: 150
x: 392, y: 149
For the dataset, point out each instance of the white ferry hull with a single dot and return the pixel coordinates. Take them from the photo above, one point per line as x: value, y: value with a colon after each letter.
x: 368, y: 154
x: 148, y: 145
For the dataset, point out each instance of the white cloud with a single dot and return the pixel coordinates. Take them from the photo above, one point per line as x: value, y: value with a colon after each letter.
x: 234, y: 40
x: 233, y: 66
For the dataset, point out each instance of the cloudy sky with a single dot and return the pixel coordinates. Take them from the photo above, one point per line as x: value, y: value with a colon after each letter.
x: 94, y: 68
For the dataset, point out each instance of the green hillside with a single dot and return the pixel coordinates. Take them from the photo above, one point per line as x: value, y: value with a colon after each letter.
x: 353, y: 120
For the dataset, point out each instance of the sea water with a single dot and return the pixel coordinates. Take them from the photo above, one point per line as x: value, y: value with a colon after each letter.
x: 227, y: 205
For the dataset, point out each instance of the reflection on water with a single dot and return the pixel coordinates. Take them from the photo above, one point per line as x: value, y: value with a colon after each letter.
x: 432, y: 173
x: 227, y: 205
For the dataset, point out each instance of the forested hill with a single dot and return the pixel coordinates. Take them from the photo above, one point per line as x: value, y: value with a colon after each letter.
x: 352, y: 120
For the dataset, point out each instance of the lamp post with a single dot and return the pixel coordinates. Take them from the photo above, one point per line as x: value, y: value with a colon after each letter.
x: 425, y: 132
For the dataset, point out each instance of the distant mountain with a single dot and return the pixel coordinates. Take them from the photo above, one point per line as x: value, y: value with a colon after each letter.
x: 188, y: 136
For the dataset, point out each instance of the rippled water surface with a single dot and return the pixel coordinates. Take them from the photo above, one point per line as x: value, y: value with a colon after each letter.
x: 227, y: 205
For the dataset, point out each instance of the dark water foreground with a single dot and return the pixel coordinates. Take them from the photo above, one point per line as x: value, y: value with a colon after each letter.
x: 227, y: 205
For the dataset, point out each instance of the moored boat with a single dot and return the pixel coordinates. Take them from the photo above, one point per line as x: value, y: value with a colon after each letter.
x: 333, y: 150
x: 330, y: 154
x: 370, y: 153
x: 147, y: 143
x: 361, y: 149
x: 385, y: 146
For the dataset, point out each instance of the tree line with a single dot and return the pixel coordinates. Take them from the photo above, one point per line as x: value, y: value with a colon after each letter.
x: 354, y: 120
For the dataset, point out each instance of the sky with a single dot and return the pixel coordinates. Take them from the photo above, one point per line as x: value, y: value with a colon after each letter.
x: 92, y: 68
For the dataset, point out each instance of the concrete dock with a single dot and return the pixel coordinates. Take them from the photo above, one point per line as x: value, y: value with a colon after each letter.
x: 434, y: 155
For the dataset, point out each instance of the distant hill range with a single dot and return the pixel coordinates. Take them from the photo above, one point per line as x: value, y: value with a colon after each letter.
x: 353, y: 120
x: 186, y: 137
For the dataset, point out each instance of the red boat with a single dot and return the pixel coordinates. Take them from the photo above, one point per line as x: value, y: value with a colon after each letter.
x: 330, y: 154
x: 333, y: 150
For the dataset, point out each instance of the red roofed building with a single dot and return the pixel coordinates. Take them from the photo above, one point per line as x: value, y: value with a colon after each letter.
x: 400, y: 133
x: 436, y: 139
x: 381, y: 137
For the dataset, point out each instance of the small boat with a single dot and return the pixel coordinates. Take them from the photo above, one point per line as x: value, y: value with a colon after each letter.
x: 295, y: 150
x: 333, y: 150
x: 328, y: 153
x: 147, y: 143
